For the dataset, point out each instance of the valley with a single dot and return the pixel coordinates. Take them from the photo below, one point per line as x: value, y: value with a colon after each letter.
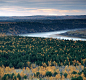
x: 43, y: 49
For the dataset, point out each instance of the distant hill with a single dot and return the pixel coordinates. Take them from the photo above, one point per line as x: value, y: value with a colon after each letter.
x: 43, y: 17
x: 23, y: 26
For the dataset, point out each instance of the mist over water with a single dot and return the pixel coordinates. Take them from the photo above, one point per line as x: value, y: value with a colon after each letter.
x: 54, y: 34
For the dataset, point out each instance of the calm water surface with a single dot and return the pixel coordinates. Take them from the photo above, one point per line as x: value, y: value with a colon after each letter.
x: 54, y: 34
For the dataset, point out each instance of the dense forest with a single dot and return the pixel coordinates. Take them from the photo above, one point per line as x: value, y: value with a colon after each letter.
x: 17, y: 51
x: 31, y: 26
x: 44, y: 58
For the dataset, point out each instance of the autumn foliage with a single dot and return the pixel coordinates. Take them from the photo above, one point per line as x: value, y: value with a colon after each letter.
x: 37, y: 56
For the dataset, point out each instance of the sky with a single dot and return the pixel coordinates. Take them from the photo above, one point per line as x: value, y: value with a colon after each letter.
x: 42, y: 7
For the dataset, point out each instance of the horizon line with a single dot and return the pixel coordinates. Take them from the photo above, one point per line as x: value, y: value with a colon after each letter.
x: 43, y: 15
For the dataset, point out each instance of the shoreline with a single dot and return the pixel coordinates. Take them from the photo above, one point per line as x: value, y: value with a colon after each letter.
x: 54, y: 34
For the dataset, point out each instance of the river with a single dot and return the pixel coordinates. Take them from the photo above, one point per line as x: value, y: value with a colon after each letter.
x: 54, y: 34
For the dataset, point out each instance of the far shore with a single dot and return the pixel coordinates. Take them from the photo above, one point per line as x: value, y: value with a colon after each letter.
x: 54, y: 34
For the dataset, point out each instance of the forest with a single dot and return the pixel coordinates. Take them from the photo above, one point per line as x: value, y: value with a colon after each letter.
x: 48, y: 53
x: 23, y: 58
x: 15, y: 50
x: 33, y: 26
x: 76, y: 33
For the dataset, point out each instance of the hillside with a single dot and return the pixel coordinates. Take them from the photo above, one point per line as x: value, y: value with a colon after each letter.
x: 44, y: 58
x: 76, y: 33
x: 14, y: 49
x: 41, y: 17
x: 34, y: 58
x: 33, y: 26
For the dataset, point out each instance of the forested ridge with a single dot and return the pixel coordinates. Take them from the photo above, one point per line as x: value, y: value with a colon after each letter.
x: 33, y: 26
x: 76, y: 33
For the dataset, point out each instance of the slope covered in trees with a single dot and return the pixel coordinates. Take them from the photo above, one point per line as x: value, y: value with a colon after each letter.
x: 76, y: 33
x: 43, y: 58
x: 17, y: 51
x: 43, y: 73
x: 31, y: 26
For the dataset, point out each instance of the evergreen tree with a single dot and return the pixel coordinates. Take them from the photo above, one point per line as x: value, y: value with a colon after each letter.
x: 48, y: 73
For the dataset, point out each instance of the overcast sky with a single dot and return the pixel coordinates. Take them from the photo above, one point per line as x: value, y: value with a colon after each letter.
x: 42, y: 7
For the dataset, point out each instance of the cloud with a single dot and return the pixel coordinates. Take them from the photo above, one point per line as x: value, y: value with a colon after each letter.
x: 42, y: 7
x: 56, y: 4
x: 21, y: 11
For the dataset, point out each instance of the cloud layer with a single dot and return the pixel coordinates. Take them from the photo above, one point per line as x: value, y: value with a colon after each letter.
x: 42, y: 7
